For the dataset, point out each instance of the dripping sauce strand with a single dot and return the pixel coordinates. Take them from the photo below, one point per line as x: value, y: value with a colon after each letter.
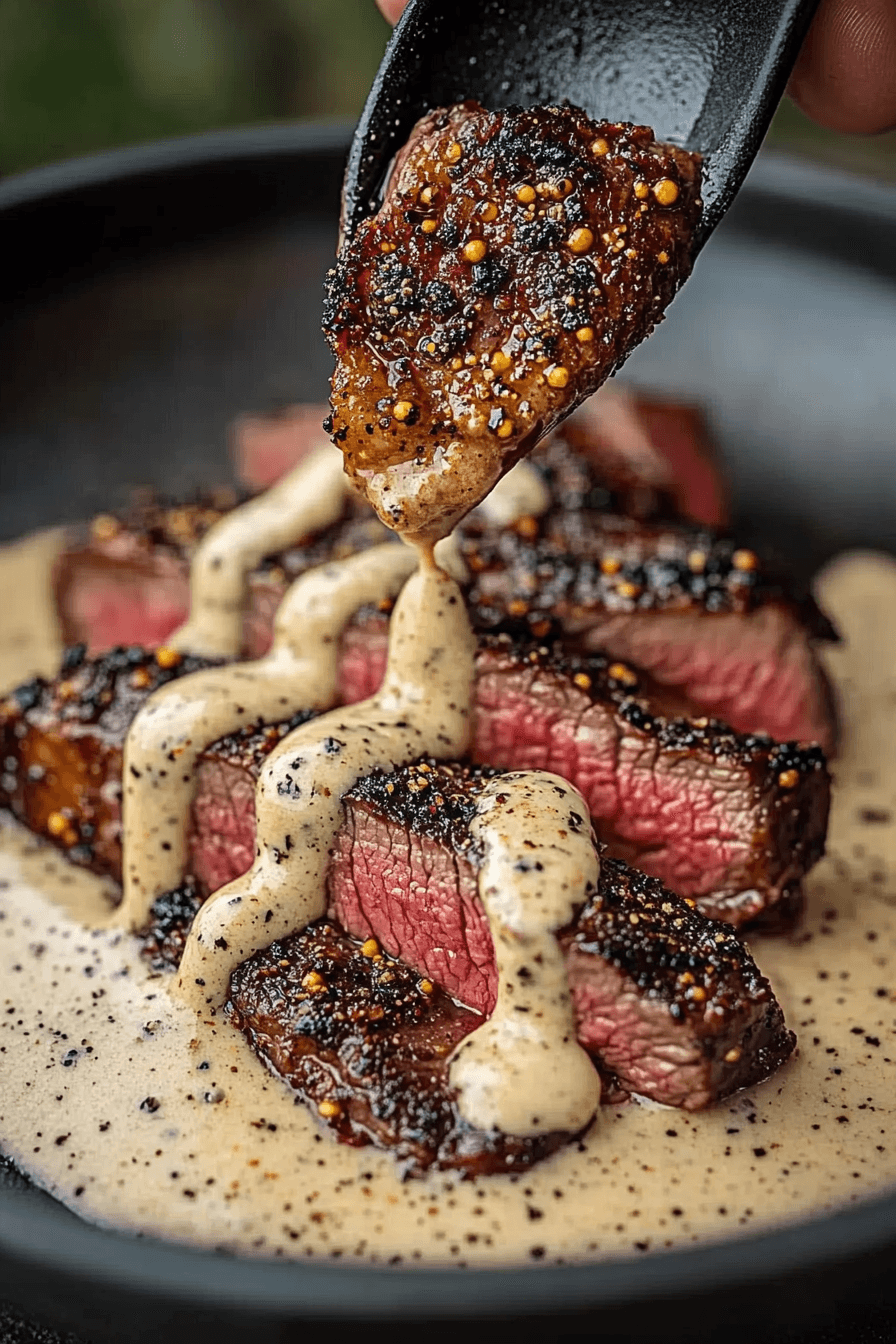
x: 422, y: 708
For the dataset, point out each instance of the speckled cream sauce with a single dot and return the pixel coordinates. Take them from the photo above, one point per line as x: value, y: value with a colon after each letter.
x: 421, y: 709
x: 524, y: 1071
x: 307, y: 499
x: 141, y: 1114
x: 179, y: 721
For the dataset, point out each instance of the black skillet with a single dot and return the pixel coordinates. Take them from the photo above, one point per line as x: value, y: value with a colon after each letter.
x: 149, y: 296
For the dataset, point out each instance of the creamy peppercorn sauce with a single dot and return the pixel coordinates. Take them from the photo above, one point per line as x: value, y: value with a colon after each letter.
x: 517, y: 259
x: 140, y: 1113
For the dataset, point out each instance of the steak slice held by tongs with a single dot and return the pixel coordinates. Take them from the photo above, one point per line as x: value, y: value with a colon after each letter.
x: 517, y: 259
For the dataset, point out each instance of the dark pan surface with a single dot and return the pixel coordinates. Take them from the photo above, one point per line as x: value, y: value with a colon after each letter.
x: 146, y: 298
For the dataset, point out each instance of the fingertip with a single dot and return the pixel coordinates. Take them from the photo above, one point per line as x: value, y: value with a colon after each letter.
x: 845, y: 75
x: 391, y: 9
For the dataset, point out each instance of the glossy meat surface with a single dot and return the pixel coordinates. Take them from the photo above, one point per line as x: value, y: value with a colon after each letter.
x: 518, y: 258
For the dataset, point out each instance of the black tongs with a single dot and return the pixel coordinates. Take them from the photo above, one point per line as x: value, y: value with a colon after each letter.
x: 705, y: 74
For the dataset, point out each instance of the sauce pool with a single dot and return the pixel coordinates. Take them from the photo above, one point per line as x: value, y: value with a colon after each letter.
x: 140, y: 1114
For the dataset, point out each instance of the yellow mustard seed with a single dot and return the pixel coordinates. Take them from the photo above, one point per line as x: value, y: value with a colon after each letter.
x: 525, y: 194
x: 426, y: 986
x: 627, y: 589
x: 328, y: 1108
x: 475, y: 250
x: 666, y: 191
x: 621, y: 672
x: 583, y: 681
x: 104, y: 527
x: 557, y: 376
x: 454, y: 153
x: 744, y: 560
x: 580, y: 240
x: 641, y: 190
x: 584, y: 335
x: 733, y: 1055
x: 427, y: 195
x: 167, y: 657
x: 500, y: 361
x: 505, y: 429
x: 600, y: 147
x: 370, y: 948
x: 402, y: 409
x: 610, y: 565
x: 57, y: 824
x: 662, y: 257
x: 788, y: 779
x: 697, y: 562
x: 429, y: 225
x: 489, y: 212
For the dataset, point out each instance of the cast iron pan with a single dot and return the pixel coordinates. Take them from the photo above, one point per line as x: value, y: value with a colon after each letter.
x: 146, y: 298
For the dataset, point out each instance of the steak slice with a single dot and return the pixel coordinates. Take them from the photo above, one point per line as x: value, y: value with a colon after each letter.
x: 669, y: 1003
x: 266, y: 447
x: 700, y: 613
x: 686, y: 604
x: 731, y: 821
x: 518, y: 258
x: 126, y: 580
x: 655, y: 457
x: 365, y: 1042
x: 62, y: 743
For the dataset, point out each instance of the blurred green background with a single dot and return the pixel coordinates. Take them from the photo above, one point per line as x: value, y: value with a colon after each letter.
x: 83, y: 75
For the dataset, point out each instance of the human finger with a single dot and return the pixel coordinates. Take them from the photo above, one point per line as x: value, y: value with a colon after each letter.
x: 391, y: 9
x: 845, y: 75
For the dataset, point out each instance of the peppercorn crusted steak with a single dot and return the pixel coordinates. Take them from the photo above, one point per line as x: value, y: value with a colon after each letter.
x: 733, y: 821
x: 689, y: 605
x: 62, y: 744
x: 365, y: 1042
x: 517, y: 259
x: 699, y: 612
x: 669, y: 1003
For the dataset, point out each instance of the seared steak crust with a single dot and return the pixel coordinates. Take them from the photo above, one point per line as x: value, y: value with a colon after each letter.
x: 669, y: 1003
x: 705, y: 616
x: 639, y: 961
x: 62, y: 744
x: 733, y: 821
x: 170, y: 918
x: 365, y: 1042
x: 518, y: 258
x: 579, y: 559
